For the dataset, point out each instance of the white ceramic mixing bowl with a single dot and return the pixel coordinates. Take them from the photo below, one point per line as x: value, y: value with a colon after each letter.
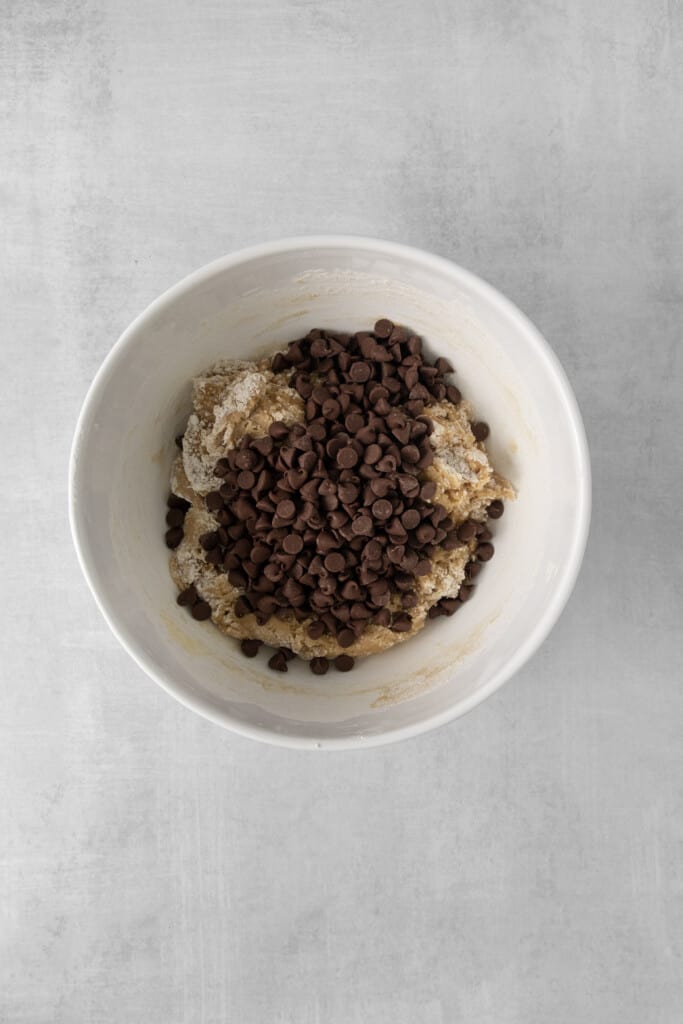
x: 247, y: 304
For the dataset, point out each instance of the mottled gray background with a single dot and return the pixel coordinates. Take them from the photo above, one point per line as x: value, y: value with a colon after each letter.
x: 523, y: 866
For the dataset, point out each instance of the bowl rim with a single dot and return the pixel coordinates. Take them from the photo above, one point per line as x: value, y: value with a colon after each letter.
x: 565, y: 580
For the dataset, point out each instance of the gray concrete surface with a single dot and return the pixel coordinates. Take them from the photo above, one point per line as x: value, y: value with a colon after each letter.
x: 524, y: 866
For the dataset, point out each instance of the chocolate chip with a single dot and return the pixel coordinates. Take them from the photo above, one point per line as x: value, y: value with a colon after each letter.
x: 213, y: 501
x: 201, y: 610
x: 467, y: 530
x: 354, y: 422
x: 425, y: 533
x: 401, y: 623
x: 344, y: 662
x: 335, y: 562
x: 347, y: 457
x: 278, y: 430
x: 250, y: 648
x: 362, y: 525
x: 496, y: 509
x: 485, y: 552
x: 293, y: 544
x: 246, y: 480
x: 410, y: 518
x: 465, y: 592
x: 346, y: 637
x: 383, y: 328
x: 372, y: 454
x: 176, y: 516
x: 286, y: 510
x: 260, y: 553
x: 188, y: 596
x: 472, y: 570
x: 175, y: 501
x: 382, y: 617
x: 360, y: 372
x: 480, y: 431
x: 452, y: 394
x: 316, y: 629
x: 173, y: 537
x: 242, y: 607
x: 381, y: 509
x: 278, y: 662
x: 319, y: 666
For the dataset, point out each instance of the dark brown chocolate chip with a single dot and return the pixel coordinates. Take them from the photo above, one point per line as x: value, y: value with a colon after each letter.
x: 173, y: 537
x: 382, y: 509
x: 286, y: 509
x: 213, y: 501
x: 410, y: 518
x: 260, y: 553
x: 401, y: 623
x: 188, y: 596
x: 347, y: 457
x: 176, y: 516
x: 278, y: 662
x: 485, y: 552
x: 201, y: 610
x: 293, y: 544
x: 246, y: 480
x: 344, y: 662
x: 354, y: 422
x: 453, y: 394
x: 425, y: 533
x: 242, y: 607
x: 237, y: 578
x: 316, y: 629
x: 382, y: 617
x: 465, y: 592
x: 250, y: 648
x: 449, y: 605
x: 472, y: 570
x: 319, y: 666
x: 278, y: 430
x: 372, y: 454
x: 346, y: 637
x: 383, y: 328
x: 380, y: 487
x: 496, y: 509
x: 360, y: 372
x: 480, y: 431
x: 331, y: 409
x: 362, y: 525
x: 467, y: 530
x: 175, y: 501
x: 335, y: 562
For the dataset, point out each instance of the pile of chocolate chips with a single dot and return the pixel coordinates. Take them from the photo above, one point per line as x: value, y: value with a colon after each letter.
x: 327, y: 519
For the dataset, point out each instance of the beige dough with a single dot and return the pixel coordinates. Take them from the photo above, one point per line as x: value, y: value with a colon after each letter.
x: 237, y: 398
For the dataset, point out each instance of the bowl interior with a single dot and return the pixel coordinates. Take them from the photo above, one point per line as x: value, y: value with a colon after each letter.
x: 244, y: 306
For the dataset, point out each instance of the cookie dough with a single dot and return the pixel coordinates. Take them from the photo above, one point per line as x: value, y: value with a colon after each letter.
x: 236, y: 398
